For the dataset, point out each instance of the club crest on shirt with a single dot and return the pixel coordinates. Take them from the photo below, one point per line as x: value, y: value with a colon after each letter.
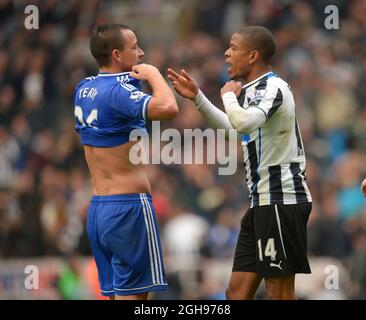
x: 258, y: 96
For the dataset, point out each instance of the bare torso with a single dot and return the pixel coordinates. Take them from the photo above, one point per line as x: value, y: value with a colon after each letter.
x: 113, y: 173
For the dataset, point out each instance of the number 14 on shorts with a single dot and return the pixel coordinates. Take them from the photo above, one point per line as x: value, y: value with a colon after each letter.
x: 269, y: 250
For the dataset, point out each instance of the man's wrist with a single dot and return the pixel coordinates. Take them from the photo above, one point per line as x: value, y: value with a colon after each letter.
x: 154, y: 76
x: 198, y: 98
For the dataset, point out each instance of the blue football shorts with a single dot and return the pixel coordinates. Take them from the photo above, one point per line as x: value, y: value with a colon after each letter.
x: 124, y: 239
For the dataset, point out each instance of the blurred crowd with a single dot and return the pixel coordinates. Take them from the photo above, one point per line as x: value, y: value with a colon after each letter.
x: 44, y: 182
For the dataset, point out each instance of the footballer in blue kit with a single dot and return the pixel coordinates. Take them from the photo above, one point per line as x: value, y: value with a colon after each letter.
x: 122, y: 226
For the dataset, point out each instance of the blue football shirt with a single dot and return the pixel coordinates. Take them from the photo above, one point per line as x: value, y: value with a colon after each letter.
x: 108, y: 107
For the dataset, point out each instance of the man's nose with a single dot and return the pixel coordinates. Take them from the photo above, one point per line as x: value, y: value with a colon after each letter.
x: 227, y: 53
x: 141, y: 53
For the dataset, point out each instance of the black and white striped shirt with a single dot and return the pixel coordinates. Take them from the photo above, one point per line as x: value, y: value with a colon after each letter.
x: 274, y: 153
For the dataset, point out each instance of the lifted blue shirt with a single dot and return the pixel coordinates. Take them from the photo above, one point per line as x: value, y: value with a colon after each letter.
x: 108, y: 107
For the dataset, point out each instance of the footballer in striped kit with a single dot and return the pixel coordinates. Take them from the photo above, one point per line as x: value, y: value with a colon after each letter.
x: 272, y: 242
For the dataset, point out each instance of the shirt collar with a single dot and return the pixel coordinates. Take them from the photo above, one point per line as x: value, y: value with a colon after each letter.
x: 125, y: 78
x: 247, y: 85
x: 107, y: 74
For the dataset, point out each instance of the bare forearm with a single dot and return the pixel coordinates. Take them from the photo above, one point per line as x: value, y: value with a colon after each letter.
x: 160, y: 89
x: 162, y: 105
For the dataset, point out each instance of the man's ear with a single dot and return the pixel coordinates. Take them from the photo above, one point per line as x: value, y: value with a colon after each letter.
x: 116, y: 55
x: 253, y: 56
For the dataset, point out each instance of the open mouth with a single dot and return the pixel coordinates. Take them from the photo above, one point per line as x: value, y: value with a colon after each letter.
x: 230, y: 67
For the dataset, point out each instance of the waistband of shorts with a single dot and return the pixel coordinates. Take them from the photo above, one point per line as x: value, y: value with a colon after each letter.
x: 125, y: 198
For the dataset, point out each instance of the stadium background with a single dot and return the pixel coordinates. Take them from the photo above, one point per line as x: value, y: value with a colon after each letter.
x: 44, y: 183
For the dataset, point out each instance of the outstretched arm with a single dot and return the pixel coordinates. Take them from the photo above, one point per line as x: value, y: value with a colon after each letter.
x: 186, y: 87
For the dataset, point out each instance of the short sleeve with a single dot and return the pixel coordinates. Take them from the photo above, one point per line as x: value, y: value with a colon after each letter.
x: 268, y: 99
x: 129, y: 102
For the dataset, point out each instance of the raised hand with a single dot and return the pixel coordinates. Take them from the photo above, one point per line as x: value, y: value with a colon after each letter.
x: 183, y: 83
x: 144, y: 71
x: 232, y: 86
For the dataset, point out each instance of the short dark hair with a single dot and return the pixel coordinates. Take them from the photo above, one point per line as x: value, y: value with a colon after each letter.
x: 104, y: 39
x: 261, y: 39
